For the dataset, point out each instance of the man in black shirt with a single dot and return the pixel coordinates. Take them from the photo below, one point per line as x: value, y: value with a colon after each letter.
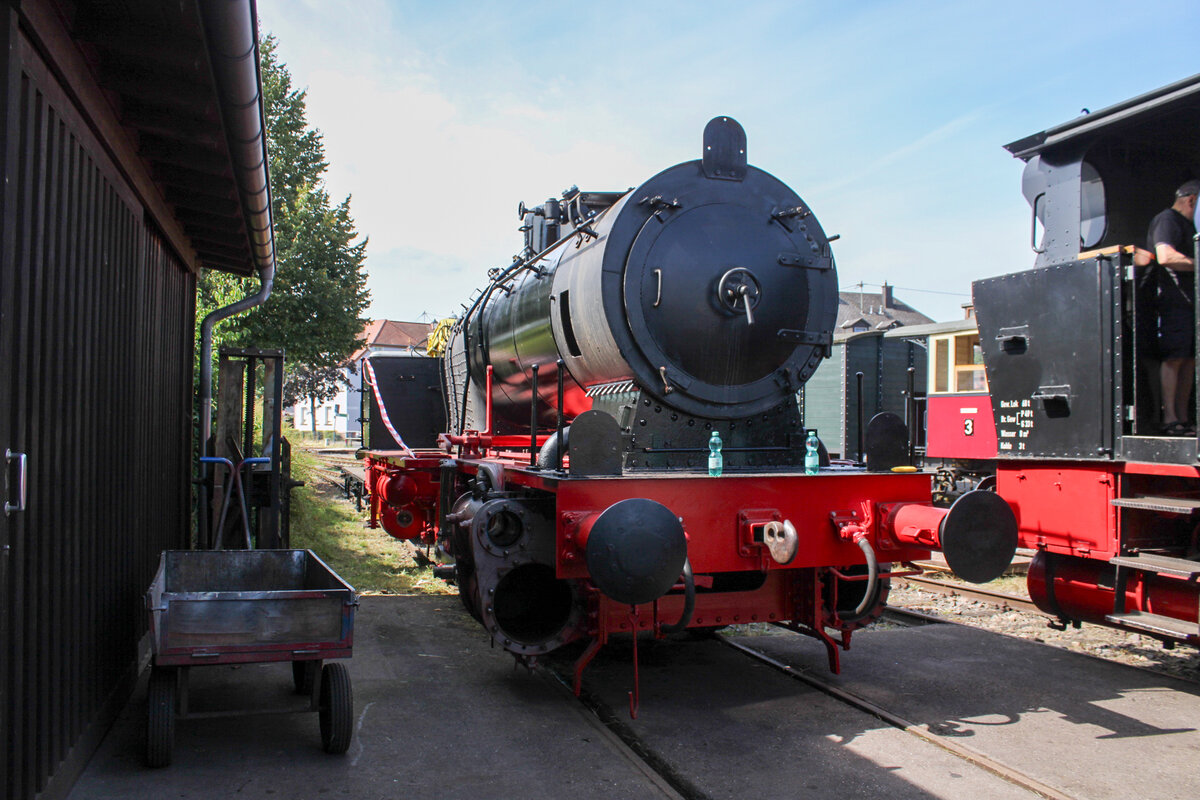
x: 1171, y: 239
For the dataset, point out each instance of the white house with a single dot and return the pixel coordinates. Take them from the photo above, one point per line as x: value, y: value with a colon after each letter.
x: 340, y: 416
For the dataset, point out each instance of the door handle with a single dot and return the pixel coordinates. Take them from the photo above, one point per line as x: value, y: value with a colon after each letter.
x: 22, y: 460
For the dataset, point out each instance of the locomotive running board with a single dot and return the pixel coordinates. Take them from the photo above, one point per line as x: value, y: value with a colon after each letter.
x: 1166, y: 505
x: 1157, y: 625
x: 1163, y: 565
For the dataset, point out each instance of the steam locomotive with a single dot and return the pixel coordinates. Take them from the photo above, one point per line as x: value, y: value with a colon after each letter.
x: 1050, y: 395
x: 643, y: 343
x: 1110, y: 503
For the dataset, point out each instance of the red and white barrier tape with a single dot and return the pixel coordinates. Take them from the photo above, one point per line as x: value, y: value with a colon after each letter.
x: 387, y: 423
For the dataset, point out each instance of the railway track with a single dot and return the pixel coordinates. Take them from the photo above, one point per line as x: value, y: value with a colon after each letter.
x: 330, y: 476
x: 615, y: 725
x: 614, y: 718
x: 621, y: 737
x: 334, y: 469
x: 979, y: 759
x: 1002, y: 600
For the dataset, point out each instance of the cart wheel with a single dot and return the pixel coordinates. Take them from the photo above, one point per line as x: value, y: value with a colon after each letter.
x: 160, y: 716
x: 336, y: 709
x: 304, y: 675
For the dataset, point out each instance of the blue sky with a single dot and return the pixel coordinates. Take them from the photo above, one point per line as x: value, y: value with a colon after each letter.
x: 887, y: 118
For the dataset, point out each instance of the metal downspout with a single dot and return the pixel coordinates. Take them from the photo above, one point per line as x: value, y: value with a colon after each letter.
x: 231, y: 36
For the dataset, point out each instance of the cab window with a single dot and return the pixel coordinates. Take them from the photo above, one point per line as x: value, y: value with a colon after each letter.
x: 957, y: 364
x: 1092, y: 219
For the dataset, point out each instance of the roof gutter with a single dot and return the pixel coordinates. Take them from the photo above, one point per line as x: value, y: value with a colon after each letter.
x: 231, y: 37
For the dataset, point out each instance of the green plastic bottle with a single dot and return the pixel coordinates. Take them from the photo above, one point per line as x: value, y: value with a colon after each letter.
x: 715, y: 462
x: 812, y: 458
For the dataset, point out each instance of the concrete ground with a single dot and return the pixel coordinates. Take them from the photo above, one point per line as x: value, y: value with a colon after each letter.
x: 1089, y: 728
x: 440, y: 714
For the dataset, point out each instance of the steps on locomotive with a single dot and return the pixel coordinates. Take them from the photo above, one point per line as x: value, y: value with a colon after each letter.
x: 1163, y: 565
x: 1157, y: 526
x: 1166, y: 505
x: 1157, y: 624
x: 1171, y: 628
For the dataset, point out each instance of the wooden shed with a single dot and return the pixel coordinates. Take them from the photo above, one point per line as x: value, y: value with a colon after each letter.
x: 126, y: 172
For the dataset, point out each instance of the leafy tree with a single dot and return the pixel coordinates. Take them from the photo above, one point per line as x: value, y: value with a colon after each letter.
x: 316, y: 307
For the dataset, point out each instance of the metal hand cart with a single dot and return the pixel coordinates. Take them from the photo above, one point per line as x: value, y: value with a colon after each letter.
x: 243, y: 607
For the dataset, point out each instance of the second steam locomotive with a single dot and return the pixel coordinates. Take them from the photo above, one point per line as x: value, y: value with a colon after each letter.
x: 638, y: 335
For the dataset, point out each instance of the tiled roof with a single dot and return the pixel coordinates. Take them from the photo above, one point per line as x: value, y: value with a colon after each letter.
x: 873, y: 311
x: 391, y: 334
x: 871, y: 308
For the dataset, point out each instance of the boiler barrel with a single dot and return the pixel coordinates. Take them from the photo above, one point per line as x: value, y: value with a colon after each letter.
x: 711, y: 287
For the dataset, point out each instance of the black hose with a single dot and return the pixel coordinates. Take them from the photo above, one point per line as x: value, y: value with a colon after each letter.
x: 689, y: 601
x: 871, y: 596
x: 873, y: 572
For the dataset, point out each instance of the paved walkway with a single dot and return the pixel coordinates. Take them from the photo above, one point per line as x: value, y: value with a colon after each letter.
x: 442, y: 715
x: 439, y: 715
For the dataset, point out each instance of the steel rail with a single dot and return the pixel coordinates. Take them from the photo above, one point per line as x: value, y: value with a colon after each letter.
x: 914, y: 618
x: 1001, y: 599
x: 621, y: 738
x: 984, y: 762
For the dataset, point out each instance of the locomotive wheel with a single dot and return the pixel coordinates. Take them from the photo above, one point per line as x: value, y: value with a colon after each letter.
x: 160, y: 716
x: 304, y: 675
x: 336, y: 709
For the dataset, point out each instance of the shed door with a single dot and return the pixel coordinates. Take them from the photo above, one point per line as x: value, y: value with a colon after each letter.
x: 9, y: 90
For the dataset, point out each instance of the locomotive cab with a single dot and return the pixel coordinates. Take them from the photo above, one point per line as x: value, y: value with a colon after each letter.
x: 1111, y: 504
x: 1093, y: 185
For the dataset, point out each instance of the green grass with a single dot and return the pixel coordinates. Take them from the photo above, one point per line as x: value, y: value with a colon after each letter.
x: 368, y: 559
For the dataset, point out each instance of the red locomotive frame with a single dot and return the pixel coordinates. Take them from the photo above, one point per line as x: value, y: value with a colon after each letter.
x: 832, y: 513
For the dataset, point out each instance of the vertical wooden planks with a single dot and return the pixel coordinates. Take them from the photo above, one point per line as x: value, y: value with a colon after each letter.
x: 96, y: 317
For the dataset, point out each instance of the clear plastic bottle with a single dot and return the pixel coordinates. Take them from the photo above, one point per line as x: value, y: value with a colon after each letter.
x: 716, y: 463
x: 812, y: 456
